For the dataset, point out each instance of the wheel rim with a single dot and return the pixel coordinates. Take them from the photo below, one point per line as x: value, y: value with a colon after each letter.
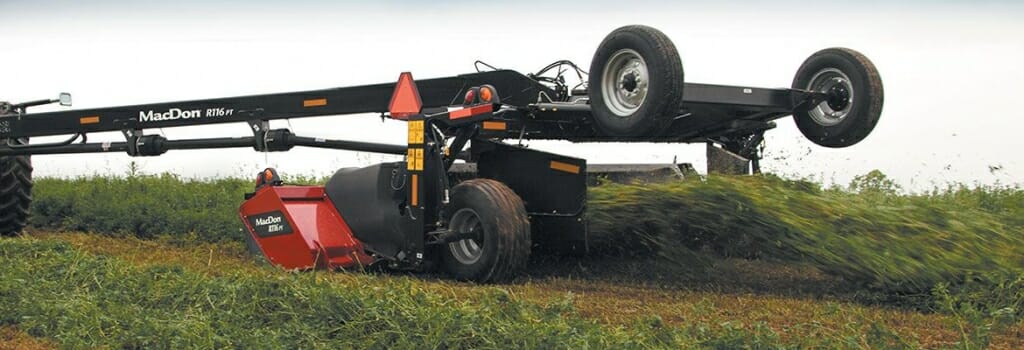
x: 624, y: 82
x: 840, y: 91
x: 467, y: 251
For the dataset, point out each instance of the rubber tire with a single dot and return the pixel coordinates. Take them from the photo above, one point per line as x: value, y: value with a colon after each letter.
x: 506, y: 230
x: 15, y: 192
x: 665, y: 91
x: 863, y: 114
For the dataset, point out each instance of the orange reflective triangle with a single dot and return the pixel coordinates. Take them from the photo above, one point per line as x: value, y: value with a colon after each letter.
x: 405, y: 101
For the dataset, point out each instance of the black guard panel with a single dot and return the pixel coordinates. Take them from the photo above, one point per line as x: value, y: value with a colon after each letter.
x: 371, y: 201
x: 553, y: 188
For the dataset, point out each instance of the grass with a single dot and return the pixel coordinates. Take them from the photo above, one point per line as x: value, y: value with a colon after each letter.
x: 142, y: 206
x: 86, y: 300
x: 742, y: 297
x: 761, y: 259
x: 51, y: 289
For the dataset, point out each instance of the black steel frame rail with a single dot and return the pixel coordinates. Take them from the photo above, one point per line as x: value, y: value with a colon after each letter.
x: 709, y: 104
x: 346, y: 100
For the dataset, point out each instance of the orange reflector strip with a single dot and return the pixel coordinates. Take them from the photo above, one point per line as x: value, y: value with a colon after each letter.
x: 89, y: 120
x: 415, y: 195
x: 566, y: 167
x: 471, y: 111
x: 405, y: 101
x: 315, y: 102
x: 495, y: 126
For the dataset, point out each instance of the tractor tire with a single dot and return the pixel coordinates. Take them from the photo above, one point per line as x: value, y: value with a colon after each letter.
x: 855, y: 102
x: 15, y: 192
x: 635, y: 83
x: 502, y: 245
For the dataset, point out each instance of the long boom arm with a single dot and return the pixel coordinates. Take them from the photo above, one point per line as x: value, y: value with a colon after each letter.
x: 438, y: 92
x: 336, y: 101
x: 540, y: 113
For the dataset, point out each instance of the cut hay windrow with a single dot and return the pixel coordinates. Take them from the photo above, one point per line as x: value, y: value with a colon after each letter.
x: 904, y: 244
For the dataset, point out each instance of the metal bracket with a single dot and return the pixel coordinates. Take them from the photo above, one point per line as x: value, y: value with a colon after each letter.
x: 259, y: 130
x: 270, y: 140
x: 446, y: 236
x: 805, y: 100
x: 14, y: 145
x: 461, y: 138
x: 747, y: 150
x: 132, y: 137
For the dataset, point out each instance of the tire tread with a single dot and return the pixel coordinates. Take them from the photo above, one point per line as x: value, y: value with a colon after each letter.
x: 15, y: 192
x: 666, y: 66
x: 513, y: 244
x: 858, y: 129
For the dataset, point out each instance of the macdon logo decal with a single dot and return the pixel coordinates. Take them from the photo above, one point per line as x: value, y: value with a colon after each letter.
x: 268, y: 220
x: 178, y: 113
x: 270, y: 224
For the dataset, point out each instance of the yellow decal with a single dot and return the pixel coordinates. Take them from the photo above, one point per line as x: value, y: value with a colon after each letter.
x: 415, y: 132
x: 414, y: 159
x: 419, y: 159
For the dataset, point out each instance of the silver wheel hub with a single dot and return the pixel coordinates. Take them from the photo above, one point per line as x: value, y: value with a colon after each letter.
x: 467, y: 251
x: 624, y: 82
x: 837, y: 107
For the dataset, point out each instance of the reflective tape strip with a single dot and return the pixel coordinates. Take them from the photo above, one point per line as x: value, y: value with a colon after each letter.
x: 566, y: 167
x: 470, y: 111
x: 493, y: 125
x: 315, y: 102
x: 414, y: 196
x: 89, y: 120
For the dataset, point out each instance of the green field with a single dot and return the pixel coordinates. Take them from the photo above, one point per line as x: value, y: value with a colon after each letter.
x: 752, y: 262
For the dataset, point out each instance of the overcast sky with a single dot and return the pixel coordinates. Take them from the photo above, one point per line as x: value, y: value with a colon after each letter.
x: 952, y: 71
